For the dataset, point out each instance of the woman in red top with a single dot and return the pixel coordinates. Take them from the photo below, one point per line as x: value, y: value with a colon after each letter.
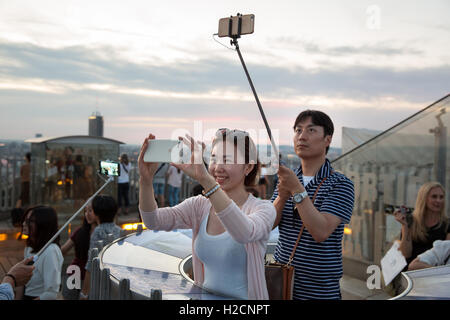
x: 80, y: 240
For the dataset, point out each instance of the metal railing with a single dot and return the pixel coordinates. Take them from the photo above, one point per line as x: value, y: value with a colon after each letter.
x: 9, y: 182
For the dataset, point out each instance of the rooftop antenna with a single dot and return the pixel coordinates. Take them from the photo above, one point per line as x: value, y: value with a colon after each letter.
x: 233, y: 27
x: 97, y: 112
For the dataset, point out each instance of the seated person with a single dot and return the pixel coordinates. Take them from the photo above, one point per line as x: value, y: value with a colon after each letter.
x: 41, y: 224
x: 439, y: 255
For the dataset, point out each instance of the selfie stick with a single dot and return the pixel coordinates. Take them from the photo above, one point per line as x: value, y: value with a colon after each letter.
x: 235, y: 43
x: 111, y: 178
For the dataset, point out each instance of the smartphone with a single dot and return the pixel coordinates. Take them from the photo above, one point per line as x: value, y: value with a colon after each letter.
x: 167, y: 151
x: 247, y: 25
x: 109, y: 168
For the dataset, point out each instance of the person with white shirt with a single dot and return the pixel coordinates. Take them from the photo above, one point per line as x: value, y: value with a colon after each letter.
x: 41, y: 224
x: 439, y: 255
x: 174, y: 180
x: 123, y: 183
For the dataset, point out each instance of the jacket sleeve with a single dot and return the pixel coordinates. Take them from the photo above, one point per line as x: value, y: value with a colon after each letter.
x: 180, y: 216
x: 436, y: 256
x: 253, y: 227
x: 6, y: 292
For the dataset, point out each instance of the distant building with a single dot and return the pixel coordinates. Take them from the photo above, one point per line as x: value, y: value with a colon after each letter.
x: 96, y: 125
x: 64, y: 169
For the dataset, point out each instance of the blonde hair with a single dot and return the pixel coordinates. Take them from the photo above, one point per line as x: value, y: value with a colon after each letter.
x: 418, y: 227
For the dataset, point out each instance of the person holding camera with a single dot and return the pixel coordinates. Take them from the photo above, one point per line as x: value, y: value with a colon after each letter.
x: 428, y: 224
x: 230, y: 226
x: 123, y: 183
x: 313, y: 204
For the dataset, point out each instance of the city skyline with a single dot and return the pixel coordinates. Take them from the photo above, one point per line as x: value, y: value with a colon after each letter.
x: 155, y: 67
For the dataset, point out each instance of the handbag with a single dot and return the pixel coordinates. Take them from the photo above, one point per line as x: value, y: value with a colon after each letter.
x: 279, y: 276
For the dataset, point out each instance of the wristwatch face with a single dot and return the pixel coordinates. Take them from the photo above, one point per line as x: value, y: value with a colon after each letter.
x: 298, y: 197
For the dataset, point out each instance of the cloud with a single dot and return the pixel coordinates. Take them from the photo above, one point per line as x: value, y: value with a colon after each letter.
x: 377, y: 49
x: 53, y: 91
x: 82, y: 68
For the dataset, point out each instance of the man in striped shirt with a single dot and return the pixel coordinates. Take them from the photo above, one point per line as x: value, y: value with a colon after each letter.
x: 318, y: 257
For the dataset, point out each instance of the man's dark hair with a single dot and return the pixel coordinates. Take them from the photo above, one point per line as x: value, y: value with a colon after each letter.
x: 318, y: 118
x: 46, y: 225
x: 105, y: 208
x: 28, y: 156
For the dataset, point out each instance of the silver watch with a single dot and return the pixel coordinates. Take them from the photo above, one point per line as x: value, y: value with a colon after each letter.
x: 298, y: 197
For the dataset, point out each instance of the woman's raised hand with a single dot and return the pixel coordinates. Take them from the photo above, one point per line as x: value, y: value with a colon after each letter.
x: 146, y: 169
x: 195, y: 168
x: 400, y: 217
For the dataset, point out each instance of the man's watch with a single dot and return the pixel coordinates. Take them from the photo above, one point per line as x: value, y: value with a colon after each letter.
x: 298, y: 197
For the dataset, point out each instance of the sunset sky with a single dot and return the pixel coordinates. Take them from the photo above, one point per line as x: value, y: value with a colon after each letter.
x: 154, y: 66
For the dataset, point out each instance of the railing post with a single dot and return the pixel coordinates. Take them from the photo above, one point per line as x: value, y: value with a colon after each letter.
x: 105, y: 285
x: 95, y: 276
x: 156, y: 294
x: 124, y: 289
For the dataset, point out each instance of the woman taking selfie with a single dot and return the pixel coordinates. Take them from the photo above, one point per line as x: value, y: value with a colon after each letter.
x: 230, y: 226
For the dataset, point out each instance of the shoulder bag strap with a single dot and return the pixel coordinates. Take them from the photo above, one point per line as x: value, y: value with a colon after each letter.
x: 303, y: 225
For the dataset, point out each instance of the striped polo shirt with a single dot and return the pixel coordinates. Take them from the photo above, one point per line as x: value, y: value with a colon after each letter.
x: 318, y: 266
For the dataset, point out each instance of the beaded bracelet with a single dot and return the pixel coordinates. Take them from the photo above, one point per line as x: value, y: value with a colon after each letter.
x: 211, y: 191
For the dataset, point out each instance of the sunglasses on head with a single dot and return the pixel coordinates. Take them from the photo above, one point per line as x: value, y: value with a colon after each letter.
x: 231, y: 133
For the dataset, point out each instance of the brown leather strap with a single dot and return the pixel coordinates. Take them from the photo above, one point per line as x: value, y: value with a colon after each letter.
x: 303, y: 225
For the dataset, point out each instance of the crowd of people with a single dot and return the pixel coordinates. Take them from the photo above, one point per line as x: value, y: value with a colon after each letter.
x: 230, y: 225
x: 42, y: 279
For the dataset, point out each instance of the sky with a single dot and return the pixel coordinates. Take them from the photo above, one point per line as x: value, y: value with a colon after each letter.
x: 156, y: 66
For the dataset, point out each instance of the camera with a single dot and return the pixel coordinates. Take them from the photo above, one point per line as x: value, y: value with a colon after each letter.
x: 408, y: 215
x: 390, y: 209
x: 109, y: 168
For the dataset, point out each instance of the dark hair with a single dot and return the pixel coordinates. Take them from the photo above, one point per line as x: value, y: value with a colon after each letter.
x: 82, y: 240
x: 253, y: 191
x: 28, y: 156
x: 197, y: 189
x: 250, y: 153
x: 124, y: 158
x: 46, y: 225
x: 105, y: 208
x: 318, y: 118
